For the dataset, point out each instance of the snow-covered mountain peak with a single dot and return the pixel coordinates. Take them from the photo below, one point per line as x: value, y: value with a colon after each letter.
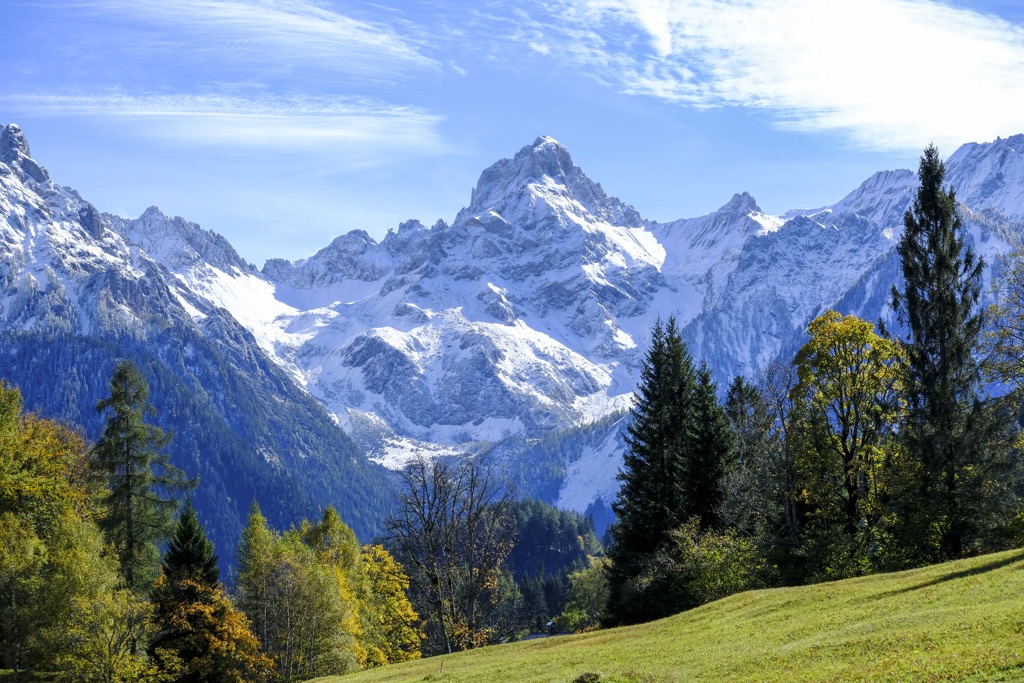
x: 13, y: 143
x: 714, y: 235
x: 990, y: 175
x: 741, y: 203
x: 541, y: 178
x: 882, y: 199
x: 352, y: 242
x: 1000, y: 147
x: 14, y: 151
x: 179, y: 244
x: 354, y: 256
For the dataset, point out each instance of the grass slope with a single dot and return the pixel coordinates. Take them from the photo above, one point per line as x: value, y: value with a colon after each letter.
x: 957, y: 621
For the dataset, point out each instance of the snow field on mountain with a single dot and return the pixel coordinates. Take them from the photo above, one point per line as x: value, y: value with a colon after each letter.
x: 594, y: 475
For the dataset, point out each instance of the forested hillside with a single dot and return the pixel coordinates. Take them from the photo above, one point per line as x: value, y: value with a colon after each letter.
x: 246, y: 432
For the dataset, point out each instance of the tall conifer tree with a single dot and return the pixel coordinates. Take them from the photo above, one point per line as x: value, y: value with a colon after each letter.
x: 140, y: 503
x: 651, y: 501
x: 711, y: 444
x: 948, y: 431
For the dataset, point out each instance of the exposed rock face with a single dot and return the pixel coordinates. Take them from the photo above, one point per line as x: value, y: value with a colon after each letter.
x: 14, y: 152
x: 177, y: 243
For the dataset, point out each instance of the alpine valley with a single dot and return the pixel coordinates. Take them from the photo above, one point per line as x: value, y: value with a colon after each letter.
x: 517, y: 330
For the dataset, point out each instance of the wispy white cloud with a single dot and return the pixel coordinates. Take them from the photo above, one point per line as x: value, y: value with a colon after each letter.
x: 268, y: 122
x: 890, y: 74
x: 281, y: 33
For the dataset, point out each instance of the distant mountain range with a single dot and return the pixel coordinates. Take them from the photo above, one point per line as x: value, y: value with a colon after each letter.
x: 518, y: 330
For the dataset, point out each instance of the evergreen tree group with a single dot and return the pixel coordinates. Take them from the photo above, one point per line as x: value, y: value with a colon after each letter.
x: 677, y: 447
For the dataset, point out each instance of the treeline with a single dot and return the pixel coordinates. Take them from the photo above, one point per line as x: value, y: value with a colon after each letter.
x: 866, y: 453
x: 86, y: 595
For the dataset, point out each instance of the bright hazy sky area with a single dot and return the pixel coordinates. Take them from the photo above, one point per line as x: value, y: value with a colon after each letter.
x: 284, y: 123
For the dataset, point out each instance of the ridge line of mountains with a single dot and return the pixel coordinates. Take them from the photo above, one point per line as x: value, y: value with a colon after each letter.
x: 517, y: 330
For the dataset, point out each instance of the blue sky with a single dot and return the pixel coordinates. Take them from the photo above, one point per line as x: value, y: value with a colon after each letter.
x: 284, y: 123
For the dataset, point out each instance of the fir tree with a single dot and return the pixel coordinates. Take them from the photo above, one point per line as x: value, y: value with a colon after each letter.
x: 948, y: 432
x: 139, y: 505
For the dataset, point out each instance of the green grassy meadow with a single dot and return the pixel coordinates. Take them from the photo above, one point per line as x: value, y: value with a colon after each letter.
x: 956, y: 621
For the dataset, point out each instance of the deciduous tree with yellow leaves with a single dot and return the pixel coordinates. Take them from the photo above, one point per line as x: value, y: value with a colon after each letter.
x: 847, y: 407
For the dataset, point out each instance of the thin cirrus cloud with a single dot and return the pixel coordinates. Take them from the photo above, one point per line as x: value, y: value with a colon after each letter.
x: 270, y: 122
x: 888, y: 74
x: 278, y: 33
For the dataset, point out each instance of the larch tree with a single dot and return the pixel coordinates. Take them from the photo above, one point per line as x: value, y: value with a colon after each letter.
x: 141, y: 483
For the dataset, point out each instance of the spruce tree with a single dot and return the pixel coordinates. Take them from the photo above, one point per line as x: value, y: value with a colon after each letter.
x: 139, y: 504
x: 190, y: 553
x: 711, y: 444
x: 948, y: 431
x: 651, y: 501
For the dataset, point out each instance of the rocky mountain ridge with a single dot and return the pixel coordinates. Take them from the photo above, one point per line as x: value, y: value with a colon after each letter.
x: 80, y: 290
x: 519, y: 328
